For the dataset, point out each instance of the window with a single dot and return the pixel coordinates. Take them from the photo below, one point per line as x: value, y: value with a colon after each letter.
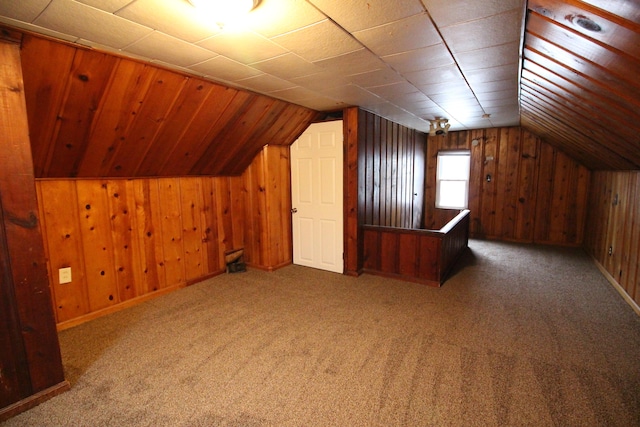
x: 452, y: 179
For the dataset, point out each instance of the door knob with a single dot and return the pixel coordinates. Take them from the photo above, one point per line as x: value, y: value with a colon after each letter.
x: 294, y: 210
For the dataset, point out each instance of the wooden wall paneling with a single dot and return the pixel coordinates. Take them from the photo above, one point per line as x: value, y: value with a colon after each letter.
x: 191, y: 213
x: 172, y: 231
x: 208, y: 151
x: 429, y: 251
x: 367, y: 141
x: 193, y: 143
x: 527, y: 188
x: 389, y: 250
x: 238, y: 216
x: 547, y: 164
x: 624, y: 227
x: 632, y: 271
x: 85, y: 89
x: 126, y: 252
x: 430, y: 186
x: 419, y: 167
x: 152, y: 116
x: 489, y: 190
x: 476, y: 179
x: 235, y: 139
x: 44, y: 103
x: 96, y: 234
x: 65, y: 248
x: 353, y: 198
x: 212, y: 259
x: 45, y: 239
x: 222, y: 191
x: 253, y: 137
x: 128, y: 86
x: 28, y: 321
x: 282, y: 231
x: 408, y: 255
x: 509, y: 168
x: 149, y: 235
x: 257, y: 192
x: 376, y: 142
x: 186, y: 110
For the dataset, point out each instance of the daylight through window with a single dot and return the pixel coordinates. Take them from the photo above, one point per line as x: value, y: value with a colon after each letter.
x: 452, y: 187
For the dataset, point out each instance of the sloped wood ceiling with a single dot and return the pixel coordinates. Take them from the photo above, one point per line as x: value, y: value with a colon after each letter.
x: 93, y: 114
x: 579, y: 87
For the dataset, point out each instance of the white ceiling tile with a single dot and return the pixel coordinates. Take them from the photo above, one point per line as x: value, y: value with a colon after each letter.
x: 358, y: 15
x: 326, y: 79
x: 492, y: 74
x: 377, y: 77
x: 500, y: 94
x: 420, y: 59
x: 165, y: 48
x: 245, y: 47
x: 224, y: 68
x: 497, y: 85
x: 448, y: 12
x: 395, y: 90
x: 86, y: 22
x: 287, y: 66
x: 294, y: 94
x: 489, y: 57
x: 274, y: 17
x: 168, y: 17
x: 449, y: 73
x: 37, y: 29
x: 411, y: 33
x: 354, y: 95
x: 110, y: 6
x: 318, y: 41
x: 323, y: 103
x: 359, y: 61
x: 23, y: 10
x: 495, y: 30
x: 265, y: 83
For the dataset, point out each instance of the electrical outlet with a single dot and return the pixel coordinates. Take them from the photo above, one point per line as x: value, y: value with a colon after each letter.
x: 64, y: 275
x: 610, y: 250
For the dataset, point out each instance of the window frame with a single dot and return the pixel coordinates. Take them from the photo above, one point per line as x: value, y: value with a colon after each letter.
x: 449, y: 153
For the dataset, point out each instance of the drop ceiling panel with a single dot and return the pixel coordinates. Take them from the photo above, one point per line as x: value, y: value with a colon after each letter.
x: 450, y: 12
x: 420, y: 59
x: 277, y: 17
x: 70, y: 17
x: 358, y: 15
x: 496, y: 30
x: 221, y: 67
x: 255, y: 47
x: 318, y: 41
x: 265, y: 83
x: 407, y: 34
x: 110, y: 6
x: 169, y: 49
x: 25, y: 10
x: 287, y: 66
x: 166, y: 16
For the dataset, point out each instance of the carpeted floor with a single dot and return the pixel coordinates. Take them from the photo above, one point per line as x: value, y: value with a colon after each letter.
x: 519, y: 335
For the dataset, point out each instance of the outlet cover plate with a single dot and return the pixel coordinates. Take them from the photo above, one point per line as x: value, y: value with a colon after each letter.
x: 64, y: 275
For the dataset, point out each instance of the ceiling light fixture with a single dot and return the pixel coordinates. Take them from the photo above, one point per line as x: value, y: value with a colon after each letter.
x: 439, y: 126
x: 225, y: 11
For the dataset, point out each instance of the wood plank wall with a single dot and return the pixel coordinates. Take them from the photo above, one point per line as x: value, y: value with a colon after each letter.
x: 97, y: 115
x: 536, y: 194
x: 613, y: 222
x: 129, y: 239
x: 30, y: 361
x: 393, y: 168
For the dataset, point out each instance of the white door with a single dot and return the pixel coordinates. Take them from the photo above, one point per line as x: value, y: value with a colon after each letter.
x: 316, y: 197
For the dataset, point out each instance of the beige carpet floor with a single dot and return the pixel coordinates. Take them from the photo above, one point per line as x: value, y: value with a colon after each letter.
x: 519, y: 335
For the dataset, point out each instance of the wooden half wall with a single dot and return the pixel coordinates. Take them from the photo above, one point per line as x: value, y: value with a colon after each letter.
x: 127, y: 240
x: 614, y: 230
x: 521, y: 189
